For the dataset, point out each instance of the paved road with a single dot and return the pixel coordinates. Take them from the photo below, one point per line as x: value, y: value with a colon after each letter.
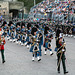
x: 18, y: 61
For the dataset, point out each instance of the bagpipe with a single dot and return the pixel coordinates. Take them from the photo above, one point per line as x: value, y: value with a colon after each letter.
x: 65, y: 30
x: 49, y: 45
x: 19, y: 36
x: 5, y: 31
x: 36, y: 39
x: 35, y: 43
x: 12, y: 34
x: 70, y: 30
x: 36, y: 47
x: 40, y: 35
x: 24, y: 36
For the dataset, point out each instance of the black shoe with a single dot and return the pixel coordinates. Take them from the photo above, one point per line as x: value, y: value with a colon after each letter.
x: 3, y: 61
x: 32, y: 60
x: 51, y: 54
x: 39, y: 60
x: 66, y: 72
x: 58, y: 71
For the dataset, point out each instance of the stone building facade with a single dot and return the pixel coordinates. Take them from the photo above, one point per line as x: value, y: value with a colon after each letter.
x: 12, y: 8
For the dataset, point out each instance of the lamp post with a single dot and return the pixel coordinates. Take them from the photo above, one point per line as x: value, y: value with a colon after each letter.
x: 68, y: 10
x: 34, y: 2
x: 49, y: 2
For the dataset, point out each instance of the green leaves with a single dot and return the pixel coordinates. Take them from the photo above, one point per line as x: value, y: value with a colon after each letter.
x: 29, y: 3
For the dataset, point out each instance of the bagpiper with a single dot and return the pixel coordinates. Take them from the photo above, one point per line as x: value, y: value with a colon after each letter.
x: 23, y: 35
x: 4, y: 26
x: 28, y: 34
x: 11, y: 29
x: 18, y: 29
x: 40, y: 38
x: 34, y: 44
x: 13, y: 34
x: 47, y: 40
x: 59, y: 33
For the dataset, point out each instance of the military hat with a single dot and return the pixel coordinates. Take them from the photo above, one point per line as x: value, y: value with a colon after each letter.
x: 28, y: 25
x: 23, y: 24
x: 10, y: 22
x: 37, y: 26
x: 46, y: 28
x: 4, y: 23
x: 34, y: 29
x: 18, y: 24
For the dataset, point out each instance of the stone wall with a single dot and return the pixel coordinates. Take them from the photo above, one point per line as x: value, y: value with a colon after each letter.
x: 16, y: 5
x: 4, y: 7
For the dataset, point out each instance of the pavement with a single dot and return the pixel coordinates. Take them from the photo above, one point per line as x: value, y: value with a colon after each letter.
x: 19, y: 60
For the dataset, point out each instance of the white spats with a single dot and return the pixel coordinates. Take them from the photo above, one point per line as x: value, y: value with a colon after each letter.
x: 25, y: 43
x: 27, y: 46
x: 51, y: 53
x: 38, y: 58
x: 32, y: 58
x: 45, y: 53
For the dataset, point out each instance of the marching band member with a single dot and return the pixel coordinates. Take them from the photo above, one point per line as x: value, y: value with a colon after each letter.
x: 13, y: 34
x: 22, y: 35
x: 58, y: 31
x: 8, y: 31
x: 2, y: 43
x: 47, y: 40
x: 28, y: 33
x: 59, y: 34
x: 5, y: 28
x: 19, y: 36
x: 61, y: 55
x: 34, y: 44
x: 40, y: 38
x: 17, y: 31
x: 11, y: 29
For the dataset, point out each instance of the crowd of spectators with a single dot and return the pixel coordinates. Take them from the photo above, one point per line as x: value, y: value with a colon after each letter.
x: 54, y: 10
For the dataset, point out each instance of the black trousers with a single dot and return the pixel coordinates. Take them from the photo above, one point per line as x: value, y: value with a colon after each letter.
x: 2, y: 54
x: 59, y: 61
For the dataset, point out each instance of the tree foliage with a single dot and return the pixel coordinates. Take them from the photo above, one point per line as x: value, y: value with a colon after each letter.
x: 29, y: 3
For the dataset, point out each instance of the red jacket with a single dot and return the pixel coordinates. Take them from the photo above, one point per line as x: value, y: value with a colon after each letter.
x: 2, y: 46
